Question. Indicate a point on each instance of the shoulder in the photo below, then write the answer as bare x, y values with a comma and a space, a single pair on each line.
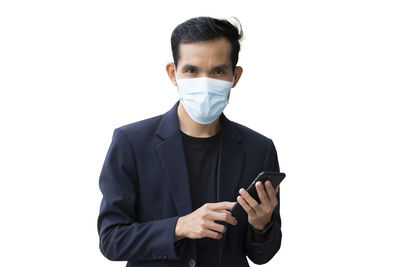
142, 125
260, 145
251, 136
139, 130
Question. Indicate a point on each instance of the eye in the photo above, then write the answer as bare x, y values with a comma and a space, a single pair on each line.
220, 72
190, 70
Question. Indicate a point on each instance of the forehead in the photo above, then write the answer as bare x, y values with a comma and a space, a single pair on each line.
206, 53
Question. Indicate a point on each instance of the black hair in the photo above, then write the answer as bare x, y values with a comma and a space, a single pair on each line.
205, 29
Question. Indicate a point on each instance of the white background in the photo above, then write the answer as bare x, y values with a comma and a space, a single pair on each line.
321, 79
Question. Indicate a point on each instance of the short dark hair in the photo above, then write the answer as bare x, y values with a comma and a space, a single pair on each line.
204, 29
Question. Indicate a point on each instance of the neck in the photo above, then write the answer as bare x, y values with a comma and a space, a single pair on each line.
192, 128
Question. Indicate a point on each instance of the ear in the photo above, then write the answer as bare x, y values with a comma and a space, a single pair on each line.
171, 72
238, 74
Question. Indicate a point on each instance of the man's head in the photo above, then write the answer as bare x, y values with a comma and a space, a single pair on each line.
206, 29
205, 46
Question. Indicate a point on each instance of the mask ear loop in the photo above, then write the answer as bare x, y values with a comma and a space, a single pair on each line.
176, 79
233, 80
175, 72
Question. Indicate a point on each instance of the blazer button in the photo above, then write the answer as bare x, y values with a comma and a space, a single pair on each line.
192, 263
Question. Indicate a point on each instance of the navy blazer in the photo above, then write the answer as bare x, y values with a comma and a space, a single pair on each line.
145, 187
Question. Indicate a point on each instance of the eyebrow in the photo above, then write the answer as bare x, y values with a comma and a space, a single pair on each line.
221, 66
188, 66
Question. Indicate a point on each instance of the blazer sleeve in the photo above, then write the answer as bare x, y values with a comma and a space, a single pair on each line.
121, 236
262, 252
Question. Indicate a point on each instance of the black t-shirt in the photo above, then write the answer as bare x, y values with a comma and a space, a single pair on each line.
202, 162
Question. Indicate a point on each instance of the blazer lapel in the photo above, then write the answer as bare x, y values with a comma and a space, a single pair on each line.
230, 167
171, 154
172, 157
231, 158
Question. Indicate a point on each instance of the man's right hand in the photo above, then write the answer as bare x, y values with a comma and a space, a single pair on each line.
201, 222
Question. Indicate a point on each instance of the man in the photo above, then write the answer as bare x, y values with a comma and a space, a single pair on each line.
168, 182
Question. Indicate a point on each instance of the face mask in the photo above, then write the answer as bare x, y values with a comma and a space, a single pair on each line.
204, 98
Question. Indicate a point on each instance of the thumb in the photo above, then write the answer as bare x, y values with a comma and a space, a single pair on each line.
277, 189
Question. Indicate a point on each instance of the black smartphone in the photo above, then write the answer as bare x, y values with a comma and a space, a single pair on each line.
275, 178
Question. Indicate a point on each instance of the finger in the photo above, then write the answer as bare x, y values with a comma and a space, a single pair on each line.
269, 188
277, 189
212, 234
250, 211
262, 195
249, 199
271, 193
217, 227
224, 205
230, 218
225, 216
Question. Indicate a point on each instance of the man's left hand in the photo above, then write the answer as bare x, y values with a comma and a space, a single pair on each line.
259, 215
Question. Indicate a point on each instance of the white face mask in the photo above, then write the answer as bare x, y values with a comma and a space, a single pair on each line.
204, 98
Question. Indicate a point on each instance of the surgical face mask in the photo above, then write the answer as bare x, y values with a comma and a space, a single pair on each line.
204, 98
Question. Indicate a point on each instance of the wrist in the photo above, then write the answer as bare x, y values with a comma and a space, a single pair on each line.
263, 226
179, 233
259, 228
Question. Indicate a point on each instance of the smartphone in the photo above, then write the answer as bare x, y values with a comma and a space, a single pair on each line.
275, 178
